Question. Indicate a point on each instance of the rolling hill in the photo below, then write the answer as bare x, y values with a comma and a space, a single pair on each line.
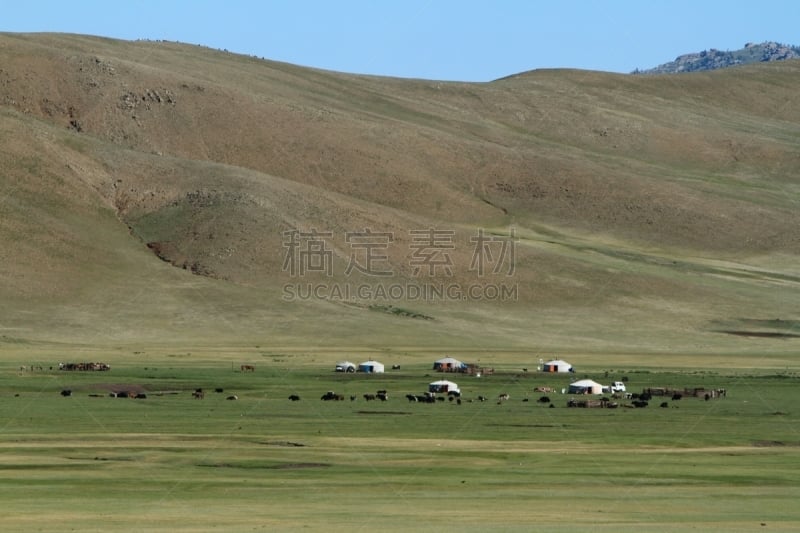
151, 192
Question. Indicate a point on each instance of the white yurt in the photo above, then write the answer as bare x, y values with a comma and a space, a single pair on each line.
557, 365
585, 386
371, 367
449, 364
345, 366
443, 386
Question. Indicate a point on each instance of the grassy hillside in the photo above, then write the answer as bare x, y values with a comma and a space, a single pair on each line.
147, 188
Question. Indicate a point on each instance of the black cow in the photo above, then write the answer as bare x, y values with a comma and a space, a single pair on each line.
66, 392
330, 395
294, 398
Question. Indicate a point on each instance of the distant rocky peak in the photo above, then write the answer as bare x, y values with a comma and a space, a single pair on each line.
713, 59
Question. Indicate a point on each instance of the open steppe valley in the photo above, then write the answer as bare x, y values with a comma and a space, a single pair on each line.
201, 220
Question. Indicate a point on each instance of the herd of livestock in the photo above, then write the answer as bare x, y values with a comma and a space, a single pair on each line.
435, 396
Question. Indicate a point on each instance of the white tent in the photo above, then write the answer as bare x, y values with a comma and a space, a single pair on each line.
585, 386
371, 367
557, 365
449, 364
345, 366
443, 386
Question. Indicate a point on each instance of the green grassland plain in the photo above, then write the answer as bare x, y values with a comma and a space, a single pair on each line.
90, 462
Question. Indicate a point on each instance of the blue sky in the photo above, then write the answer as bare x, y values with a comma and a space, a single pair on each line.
447, 40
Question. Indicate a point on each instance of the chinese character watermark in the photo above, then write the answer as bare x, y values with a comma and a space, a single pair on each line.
431, 253
306, 251
493, 250
430, 249
366, 247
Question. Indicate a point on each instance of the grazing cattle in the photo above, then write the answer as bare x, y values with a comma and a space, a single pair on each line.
219, 390
382, 395
421, 398
198, 394
140, 396
664, 404
232, 397
544, 399
294, 398
639, 403
353, 397
66, 392
248, 368
503, 397
395, 367
330, 395
677, 396
482, 398
369, 397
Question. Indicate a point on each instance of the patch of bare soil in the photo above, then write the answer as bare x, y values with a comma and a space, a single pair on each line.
762, 334
294, 466
116, 388
768, 443
383, 413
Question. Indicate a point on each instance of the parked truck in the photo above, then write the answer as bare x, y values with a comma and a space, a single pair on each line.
617, 386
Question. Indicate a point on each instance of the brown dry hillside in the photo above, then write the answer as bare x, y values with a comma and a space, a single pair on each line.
650, 199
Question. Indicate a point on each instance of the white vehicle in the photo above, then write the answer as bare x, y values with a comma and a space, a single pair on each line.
618, 386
